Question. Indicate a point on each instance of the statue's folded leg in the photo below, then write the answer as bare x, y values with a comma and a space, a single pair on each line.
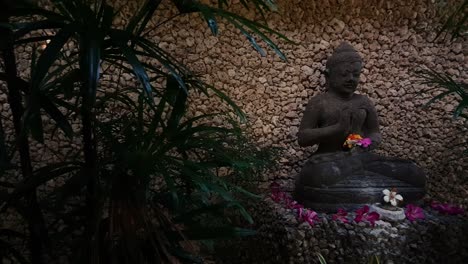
350, 179
325, 173
403, 170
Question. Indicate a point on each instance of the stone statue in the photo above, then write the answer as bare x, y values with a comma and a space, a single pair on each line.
332, 177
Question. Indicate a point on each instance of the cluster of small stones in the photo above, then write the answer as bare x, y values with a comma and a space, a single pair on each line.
393, 37
281, 238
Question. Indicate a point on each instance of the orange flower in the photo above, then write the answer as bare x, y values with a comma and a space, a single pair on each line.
354, 137
351, 140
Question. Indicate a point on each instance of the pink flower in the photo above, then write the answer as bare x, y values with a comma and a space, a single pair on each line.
372, 217
365, 142
447, 208
291, 204
362, 214
308, 216
278, 196
414, 212
341, 215
363, 210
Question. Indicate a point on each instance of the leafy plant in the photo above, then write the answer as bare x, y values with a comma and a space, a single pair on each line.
444, 82
449, 87
456, 24
150, 172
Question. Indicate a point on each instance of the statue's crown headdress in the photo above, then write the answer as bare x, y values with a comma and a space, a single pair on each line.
343, 53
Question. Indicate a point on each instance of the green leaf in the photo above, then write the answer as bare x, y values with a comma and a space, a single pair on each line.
138, 69
185, 6
454, 23
321, 259
200, 85
249, 37
90, 63
74, 10
30, 10
438, 97
142, 17
31, 119
42, 175
463, 104
66, 83
49, 56
210, 19
445, 82
56, 115
251, 195
26, 28
107, 17
167, 61
178, 109
374, 260
253, 26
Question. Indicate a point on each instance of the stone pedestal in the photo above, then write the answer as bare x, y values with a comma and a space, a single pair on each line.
281, 238
349, 180
353, 192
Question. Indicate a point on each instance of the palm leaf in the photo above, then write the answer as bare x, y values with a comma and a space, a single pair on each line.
321, 259
143, 16
450, 86
49, 56
138, 69
455, 23
26, 28
90, 60
41, 176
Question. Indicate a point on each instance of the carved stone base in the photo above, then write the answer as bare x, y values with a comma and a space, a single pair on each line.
281, 238
354, 192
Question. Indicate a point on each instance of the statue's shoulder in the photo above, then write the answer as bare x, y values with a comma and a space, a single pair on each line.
317, 100
364, 99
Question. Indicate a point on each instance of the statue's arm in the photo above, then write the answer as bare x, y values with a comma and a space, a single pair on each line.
309, 131
371, 126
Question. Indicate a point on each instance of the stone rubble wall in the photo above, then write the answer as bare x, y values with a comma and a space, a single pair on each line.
393, 37
281, 238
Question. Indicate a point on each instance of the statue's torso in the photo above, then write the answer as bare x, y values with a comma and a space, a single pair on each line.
330, 111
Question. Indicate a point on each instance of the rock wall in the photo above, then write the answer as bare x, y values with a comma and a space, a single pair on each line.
281, 238
394, 38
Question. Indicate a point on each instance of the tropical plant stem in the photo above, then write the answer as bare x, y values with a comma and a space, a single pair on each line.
36, 224
90, 169
3, 150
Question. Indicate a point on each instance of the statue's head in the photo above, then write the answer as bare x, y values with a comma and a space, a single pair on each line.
343, 70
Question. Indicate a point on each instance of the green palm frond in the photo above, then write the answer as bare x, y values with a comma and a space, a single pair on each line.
143, 151
456, 24
448, 86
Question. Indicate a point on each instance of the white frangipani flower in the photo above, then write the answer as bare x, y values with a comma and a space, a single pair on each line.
392, 197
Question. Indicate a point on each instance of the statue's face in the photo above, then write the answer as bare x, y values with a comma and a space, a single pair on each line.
343, 78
